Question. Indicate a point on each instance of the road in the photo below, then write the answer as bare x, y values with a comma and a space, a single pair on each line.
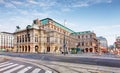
79, 60
12, 66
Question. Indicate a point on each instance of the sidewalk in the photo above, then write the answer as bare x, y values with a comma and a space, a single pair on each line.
2, 59
91, 55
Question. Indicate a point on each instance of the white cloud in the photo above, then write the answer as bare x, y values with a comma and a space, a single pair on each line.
64, 5
2, 1
17, 2
86, 3
7, 4
10, 5
34, 13
32, 1
65, 9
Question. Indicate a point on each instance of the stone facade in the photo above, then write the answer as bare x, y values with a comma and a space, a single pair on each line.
87, 41
44, 36
117, 43
103, 45
6, 41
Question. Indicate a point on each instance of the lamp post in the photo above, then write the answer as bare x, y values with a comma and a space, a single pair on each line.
64, 41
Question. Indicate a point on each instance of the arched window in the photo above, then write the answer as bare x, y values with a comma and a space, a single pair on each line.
23, 48
29, 48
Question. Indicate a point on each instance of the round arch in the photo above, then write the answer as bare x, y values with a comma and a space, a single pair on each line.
36, 48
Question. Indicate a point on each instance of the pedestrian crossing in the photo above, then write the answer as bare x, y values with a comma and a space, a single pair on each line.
10, 67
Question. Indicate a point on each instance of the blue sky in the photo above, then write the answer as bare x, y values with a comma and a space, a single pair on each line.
100, 16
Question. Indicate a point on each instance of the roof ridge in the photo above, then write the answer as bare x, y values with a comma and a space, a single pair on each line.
64, 27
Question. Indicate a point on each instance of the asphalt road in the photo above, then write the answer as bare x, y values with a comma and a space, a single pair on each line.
79, 60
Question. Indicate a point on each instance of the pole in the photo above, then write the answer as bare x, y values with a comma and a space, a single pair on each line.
64, 40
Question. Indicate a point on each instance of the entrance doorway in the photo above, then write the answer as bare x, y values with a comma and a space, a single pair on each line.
36, 48
91, 50
48, 49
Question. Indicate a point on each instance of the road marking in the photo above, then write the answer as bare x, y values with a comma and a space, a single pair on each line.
6, 64
48, 71
24, 70
36, 70
2, 69
13, 69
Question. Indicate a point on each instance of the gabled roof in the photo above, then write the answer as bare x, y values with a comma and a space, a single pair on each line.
84, 32
46, 20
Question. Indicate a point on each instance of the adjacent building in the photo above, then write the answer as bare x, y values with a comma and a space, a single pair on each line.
44, 36
103, 45
87, 41
117, 43
116, 49
6, 41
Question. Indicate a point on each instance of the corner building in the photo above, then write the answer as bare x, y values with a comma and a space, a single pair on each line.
44, 36
87, 41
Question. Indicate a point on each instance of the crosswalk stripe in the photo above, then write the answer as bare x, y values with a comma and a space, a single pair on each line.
24, 70
2, 69
36, 70
13, 69
6, 64
48, 71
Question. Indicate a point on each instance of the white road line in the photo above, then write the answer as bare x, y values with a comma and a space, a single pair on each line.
24, 70
48, 71
13, 69
2, 69
5, 64
36, 70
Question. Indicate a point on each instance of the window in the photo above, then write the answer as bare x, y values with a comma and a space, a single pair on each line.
25, 38
86, 36
28, 37
82, 36
48, 39
82, 43
36, 38
90, 36
17, 39
29, 48
23, 48
91, 43
22, 38
78, 37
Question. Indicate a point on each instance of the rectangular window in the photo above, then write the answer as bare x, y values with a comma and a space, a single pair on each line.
28, 37
25, 38
17, 39
22, 38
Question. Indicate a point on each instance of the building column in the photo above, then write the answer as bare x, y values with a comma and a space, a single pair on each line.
88, 50
84, 50
93, 50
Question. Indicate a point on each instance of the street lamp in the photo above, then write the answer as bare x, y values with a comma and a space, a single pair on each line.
64, 41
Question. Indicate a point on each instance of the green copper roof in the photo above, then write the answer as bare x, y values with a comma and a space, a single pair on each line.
45, 21
84, 32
